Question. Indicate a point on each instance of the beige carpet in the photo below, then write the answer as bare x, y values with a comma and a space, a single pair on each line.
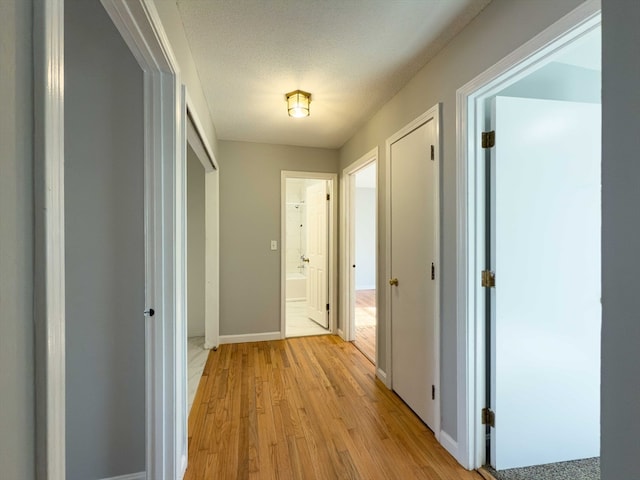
587, 469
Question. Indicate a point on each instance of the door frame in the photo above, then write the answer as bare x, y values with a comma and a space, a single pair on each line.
433, 114
469, 449
332, 181
201, 147
165, 247
347, 243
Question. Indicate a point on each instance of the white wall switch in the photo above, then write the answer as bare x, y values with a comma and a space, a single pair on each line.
274, 244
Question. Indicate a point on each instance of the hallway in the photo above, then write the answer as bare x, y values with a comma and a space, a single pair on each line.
307, 408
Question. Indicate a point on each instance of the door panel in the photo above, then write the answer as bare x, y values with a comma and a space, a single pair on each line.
413, 243
317, 253
546, 316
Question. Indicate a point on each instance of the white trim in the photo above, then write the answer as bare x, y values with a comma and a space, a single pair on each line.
197, 124
332, 180
131, 476
382, 375
449, 444
470, 225
165, 230
212, 259
49, 273
250, 337
347, 244
434, 114
342, 335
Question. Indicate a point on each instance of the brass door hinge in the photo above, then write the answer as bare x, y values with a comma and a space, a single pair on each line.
489, 139
488, 417
328, 196
433, 152
488, 279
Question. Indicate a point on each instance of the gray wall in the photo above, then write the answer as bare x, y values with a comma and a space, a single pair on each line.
249, 220
620, 414
17, 453
105, 377
365, 240
501, 27
195, 245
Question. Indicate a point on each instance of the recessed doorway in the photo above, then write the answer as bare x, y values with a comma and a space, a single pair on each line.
307, 254
531, 199
361, 243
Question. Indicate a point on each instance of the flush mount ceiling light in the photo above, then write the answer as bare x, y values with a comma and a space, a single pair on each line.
298, 103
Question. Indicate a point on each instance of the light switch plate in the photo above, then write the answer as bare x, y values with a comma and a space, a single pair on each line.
274, 244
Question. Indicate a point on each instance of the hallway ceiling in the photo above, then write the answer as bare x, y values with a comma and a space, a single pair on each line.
352, 55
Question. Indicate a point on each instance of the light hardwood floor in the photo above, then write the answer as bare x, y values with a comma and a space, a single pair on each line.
306, 408
365, 323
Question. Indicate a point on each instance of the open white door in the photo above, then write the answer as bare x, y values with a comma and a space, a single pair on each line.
414, 237
318, 253
546, 311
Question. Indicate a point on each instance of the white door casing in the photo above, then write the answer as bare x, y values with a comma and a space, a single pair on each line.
317, 253
330, 180
414, 262
347, 242
469, 447
545, 243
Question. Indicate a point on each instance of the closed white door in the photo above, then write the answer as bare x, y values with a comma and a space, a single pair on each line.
413, 247
545, 331
318, 253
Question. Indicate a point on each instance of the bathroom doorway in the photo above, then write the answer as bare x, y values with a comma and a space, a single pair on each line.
307, 254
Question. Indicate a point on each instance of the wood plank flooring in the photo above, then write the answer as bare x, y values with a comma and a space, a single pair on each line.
365, 323
306, 408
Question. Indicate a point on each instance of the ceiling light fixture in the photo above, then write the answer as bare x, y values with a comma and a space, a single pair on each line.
298, 103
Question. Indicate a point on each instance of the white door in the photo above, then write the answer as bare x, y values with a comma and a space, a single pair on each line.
413, 247
545, 249
318, 253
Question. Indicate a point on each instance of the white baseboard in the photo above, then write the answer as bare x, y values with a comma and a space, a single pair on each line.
250, 337
381, 375
341, 334
449, 444
131, 476
209, 346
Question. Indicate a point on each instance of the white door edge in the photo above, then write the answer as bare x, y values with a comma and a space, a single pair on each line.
433, 114
332, 183
469, 449
347, 247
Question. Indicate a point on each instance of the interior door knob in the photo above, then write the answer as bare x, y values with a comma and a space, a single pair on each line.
393, 281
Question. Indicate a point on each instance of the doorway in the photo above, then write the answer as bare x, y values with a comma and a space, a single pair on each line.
360, 216
307, 254
413, 265
542, 333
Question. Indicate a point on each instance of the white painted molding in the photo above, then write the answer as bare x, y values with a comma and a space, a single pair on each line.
212, 259
470, 220
341, 335
165, 214
250, 337
347, 275
132, 476
381, 374
193, 116
49, 274
449, 444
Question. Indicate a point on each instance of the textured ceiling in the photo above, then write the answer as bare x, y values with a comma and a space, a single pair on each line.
352, 55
